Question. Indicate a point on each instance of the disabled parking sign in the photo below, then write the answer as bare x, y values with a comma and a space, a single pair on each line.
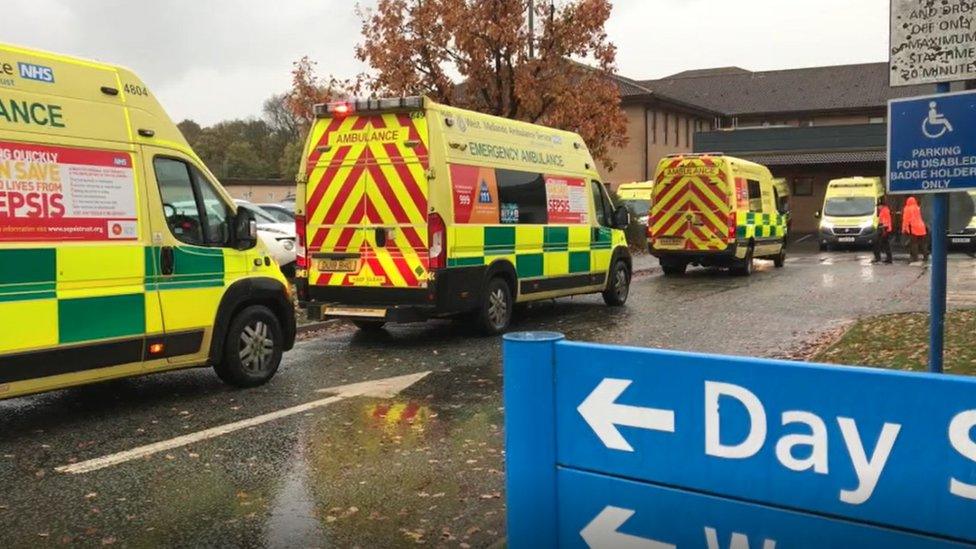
622, 447
932, 143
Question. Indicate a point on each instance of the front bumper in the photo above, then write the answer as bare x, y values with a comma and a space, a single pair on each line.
962, 241
864, 238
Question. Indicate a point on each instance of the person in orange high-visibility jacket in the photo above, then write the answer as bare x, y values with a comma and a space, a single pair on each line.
913, 226
885, 227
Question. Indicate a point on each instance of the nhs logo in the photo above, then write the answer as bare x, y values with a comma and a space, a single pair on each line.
36, 72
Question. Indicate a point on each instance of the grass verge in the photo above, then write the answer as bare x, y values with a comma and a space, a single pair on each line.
901, 342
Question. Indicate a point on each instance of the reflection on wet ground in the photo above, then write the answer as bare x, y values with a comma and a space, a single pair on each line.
424, 467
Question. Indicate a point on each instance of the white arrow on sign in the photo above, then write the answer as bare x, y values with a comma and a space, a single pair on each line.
603, 532
603, 414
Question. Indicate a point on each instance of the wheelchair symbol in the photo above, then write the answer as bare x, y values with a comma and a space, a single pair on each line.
935, 124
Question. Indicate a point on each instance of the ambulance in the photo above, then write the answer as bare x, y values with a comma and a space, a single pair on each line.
120, 254
409, 210
714, 210
966, 238
637, 198
850, 212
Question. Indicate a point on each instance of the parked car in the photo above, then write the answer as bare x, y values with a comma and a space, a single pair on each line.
281, 212
277, 236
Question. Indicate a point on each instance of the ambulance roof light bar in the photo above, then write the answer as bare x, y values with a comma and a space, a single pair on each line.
370, 105
682, 155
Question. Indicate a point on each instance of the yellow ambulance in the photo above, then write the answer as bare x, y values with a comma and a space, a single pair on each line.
715, 211
636, 197
850, 212
409, 210
120, 255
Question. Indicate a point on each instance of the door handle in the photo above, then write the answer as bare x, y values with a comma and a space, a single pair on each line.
167, 260
380, 235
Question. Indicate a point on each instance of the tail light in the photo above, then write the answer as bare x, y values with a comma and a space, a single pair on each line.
437, 242
733, 226
301, 259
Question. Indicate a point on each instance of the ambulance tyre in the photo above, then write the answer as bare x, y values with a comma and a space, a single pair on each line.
744, 266
253, 348
780, 260
618, 285
369, 325
497, 305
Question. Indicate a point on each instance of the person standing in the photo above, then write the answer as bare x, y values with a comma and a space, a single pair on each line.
913, 226
882, 244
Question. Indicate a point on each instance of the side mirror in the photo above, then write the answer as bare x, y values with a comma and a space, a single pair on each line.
245, 229
621, 217
816, 215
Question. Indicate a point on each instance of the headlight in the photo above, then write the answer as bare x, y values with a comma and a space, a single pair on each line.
287, 244
869, 224
826, 226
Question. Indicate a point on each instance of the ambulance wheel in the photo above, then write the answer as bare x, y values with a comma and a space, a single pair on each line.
780, 260
674, 269
618, 285
369, 325
744, 267
497, 306
253, 348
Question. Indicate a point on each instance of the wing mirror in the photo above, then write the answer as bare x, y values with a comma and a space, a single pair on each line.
621, 217
245, 229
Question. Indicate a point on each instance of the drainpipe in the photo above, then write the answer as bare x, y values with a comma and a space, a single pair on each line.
647, 146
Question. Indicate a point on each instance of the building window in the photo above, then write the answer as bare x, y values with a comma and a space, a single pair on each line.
687, 132
803, 186
667, 121
654, 127
677, 130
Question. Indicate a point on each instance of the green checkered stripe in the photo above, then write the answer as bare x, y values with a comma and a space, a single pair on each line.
32, 275
757, 225
531, 256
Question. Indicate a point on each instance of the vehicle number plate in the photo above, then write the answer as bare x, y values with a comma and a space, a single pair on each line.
354, 311
338, 265
846, 239
671, 241
960, 241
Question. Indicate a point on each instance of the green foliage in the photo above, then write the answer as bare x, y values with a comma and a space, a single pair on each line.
266, 148
900, 342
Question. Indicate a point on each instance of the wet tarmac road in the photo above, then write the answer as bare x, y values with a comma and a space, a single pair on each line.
423, 466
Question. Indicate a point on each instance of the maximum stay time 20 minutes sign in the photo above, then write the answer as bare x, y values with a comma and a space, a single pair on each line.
932, 41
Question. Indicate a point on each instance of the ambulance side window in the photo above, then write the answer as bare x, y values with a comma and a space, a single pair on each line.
755, 196
194, 212
522, 194
603, 208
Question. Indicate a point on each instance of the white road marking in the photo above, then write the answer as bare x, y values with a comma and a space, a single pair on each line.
802, 238
380, 388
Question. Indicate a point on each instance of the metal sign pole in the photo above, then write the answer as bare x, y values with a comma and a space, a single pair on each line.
940, 244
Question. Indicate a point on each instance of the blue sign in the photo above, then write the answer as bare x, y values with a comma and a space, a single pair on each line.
932, 143
799, 454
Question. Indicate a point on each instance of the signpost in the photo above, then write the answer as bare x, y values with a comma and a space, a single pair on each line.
933, 42
619, 447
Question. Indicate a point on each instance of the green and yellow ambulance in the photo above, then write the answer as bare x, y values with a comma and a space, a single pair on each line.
409, 210
120, 255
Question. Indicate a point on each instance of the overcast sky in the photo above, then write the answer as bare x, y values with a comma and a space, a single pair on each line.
211, 60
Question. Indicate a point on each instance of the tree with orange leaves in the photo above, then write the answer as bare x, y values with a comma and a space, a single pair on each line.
480, 55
